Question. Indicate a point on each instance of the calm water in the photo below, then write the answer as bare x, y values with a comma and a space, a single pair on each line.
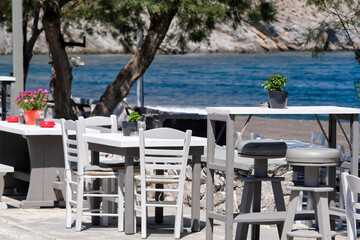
195, 81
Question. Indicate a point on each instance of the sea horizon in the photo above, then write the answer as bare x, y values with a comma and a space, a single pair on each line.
190, 82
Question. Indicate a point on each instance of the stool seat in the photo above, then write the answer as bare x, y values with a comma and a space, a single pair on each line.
313, 155
262, 148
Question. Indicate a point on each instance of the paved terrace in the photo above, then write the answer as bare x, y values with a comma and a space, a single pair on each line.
49, 223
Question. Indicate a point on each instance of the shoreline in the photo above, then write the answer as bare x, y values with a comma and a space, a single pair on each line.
289, 129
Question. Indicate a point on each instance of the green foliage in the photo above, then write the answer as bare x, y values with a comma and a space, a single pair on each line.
276, 82
339, 16
134, 117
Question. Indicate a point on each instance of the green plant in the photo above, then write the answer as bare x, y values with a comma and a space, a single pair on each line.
32, 100
134, 117
276, 82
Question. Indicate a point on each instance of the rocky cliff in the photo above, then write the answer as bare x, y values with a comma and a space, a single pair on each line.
286, 34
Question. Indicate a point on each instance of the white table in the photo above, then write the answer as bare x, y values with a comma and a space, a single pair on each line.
37, 155
227, 115
129, 147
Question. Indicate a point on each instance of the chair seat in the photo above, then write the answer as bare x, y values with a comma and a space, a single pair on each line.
159, 179
262, 148
313, 155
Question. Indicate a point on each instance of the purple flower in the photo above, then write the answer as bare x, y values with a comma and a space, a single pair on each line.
46, 91
26, 100
44, 99
18, 99
34, 96
31, 100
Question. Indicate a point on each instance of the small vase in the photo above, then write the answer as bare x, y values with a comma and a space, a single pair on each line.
29, 117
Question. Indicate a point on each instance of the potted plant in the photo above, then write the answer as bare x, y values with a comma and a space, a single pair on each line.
274, 85
131, 124
31, 102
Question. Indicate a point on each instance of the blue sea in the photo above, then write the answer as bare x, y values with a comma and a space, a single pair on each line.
192, 82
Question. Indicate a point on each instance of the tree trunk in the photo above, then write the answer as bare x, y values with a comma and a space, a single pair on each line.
62, 91
29, 45
136, 67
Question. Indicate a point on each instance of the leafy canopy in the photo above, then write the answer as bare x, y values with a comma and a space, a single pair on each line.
338, 16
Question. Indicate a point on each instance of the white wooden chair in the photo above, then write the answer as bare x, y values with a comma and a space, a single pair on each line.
173, 162
77, 165
106, 124
351, 188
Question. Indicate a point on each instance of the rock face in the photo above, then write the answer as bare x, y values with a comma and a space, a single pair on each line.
286, 34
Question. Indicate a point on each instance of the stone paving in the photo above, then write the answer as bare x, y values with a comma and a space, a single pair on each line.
49, 223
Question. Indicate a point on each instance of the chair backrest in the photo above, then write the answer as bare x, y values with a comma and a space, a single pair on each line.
154, 158
351, 187
99, 121
102, 123
74, 153
317, 138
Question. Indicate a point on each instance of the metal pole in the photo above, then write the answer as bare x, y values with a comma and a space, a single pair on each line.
18, 68
140, 81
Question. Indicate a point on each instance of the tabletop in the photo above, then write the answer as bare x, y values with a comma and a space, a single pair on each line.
29, 130
119, 140
288, 110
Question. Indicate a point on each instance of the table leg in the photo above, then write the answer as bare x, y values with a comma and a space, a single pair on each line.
46, 163
3, 100
159, 211
95, 202
195, 193
129, 195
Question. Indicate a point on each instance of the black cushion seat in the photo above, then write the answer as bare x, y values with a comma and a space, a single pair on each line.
313, 156
262, 148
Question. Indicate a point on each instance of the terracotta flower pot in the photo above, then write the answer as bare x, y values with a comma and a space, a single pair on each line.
29, 117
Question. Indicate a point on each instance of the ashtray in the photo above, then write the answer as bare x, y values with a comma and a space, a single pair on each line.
12, 119
47, 124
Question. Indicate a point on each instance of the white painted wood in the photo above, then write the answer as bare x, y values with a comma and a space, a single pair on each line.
33, 130
118, 140
75, 153
286, 111
351, 188
145, 140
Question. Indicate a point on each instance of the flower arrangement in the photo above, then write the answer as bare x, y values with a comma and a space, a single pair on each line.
32, 100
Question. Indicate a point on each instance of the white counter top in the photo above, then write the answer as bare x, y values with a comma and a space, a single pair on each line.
288, 110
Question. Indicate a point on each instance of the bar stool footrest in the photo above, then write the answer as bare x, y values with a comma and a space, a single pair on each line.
253, 178
310, 189
307, 233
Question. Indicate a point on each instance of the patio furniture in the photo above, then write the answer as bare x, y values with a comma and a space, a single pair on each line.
351, 187
261, 150
311, 159
78, 171
116, 143
160, 166
104, 124
3, 170
228, 114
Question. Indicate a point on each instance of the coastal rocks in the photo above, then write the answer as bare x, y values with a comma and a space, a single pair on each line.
287, 33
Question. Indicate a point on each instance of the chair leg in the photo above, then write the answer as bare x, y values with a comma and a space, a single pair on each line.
120, 190
79, 205
290, 215
178, 221
68, 205
143, 211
